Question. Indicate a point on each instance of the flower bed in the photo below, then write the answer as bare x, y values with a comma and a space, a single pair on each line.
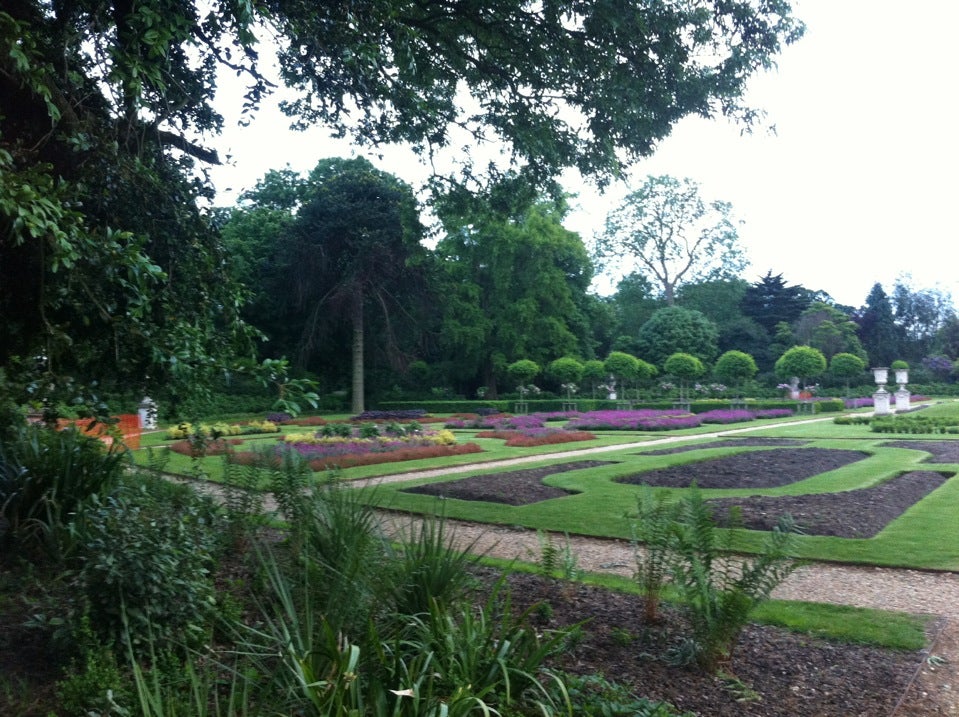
216, 447
641, 420
667, 420
354, 460
532, 438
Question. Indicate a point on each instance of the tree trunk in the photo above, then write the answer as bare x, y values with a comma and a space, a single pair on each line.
356, 318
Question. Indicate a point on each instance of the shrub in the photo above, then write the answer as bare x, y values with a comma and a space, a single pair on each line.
46, 477
145, 565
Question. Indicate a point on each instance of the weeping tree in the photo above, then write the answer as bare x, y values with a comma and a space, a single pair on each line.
355, 247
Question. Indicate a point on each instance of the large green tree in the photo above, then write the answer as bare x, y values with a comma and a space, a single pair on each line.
673, 236
514, 286
674, 329
829, 329
107, 106
771, 301
354, 246
919, 314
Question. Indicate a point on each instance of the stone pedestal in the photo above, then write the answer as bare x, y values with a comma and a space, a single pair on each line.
902, 399
880, 402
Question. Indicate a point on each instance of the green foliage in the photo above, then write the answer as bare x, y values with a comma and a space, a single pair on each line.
555, 560
674, 329
899, 364
565, 370
652, 529
428, 569
523, 371
94, 679
915, 424
145, 565
719, 592
595, 696
828, 329
622, 366
735, 367
292, 393
805, 362
47, 476
684, 366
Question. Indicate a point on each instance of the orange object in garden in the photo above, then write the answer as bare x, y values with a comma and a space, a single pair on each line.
127, 428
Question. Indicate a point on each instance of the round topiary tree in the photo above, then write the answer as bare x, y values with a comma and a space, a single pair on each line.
522, 372
594, 373
675, 329
846, 366
685, 367
567, 372
622, 366
802, 361
735, 368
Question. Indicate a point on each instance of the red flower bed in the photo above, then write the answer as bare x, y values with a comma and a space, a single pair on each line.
369, 459
520, 440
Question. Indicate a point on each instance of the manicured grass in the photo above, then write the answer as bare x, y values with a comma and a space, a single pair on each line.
926, 536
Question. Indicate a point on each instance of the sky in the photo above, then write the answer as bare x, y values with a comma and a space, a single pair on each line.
857, 185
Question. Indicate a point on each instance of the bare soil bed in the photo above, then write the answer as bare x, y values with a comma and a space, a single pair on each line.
751, 469
942, 451
772, 672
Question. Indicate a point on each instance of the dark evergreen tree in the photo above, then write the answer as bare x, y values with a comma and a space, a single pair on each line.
770, 301
877, 328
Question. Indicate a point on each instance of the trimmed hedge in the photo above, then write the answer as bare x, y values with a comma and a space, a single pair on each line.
550, 405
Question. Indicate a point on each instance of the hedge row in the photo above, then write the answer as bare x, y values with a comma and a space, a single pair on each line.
588, 404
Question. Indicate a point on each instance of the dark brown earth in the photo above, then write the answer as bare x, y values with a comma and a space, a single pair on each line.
942, 451
751, 469
520, 487
772, 672
859, 513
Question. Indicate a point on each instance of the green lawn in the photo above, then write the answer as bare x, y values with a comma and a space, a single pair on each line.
926, 536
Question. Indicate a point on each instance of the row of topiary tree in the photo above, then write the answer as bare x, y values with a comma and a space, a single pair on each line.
734, 368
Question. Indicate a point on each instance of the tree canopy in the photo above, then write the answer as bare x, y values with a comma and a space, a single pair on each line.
107, 262
673, 235
674, 329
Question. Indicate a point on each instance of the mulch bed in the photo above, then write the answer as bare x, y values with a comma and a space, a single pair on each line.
789, 675
520, 487
729, 443
942, 451
861, 513
752, 469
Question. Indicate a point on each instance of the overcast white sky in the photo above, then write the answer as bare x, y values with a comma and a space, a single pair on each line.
858, 184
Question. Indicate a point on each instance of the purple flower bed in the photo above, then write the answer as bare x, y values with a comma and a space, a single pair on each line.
664, 420
396, 415
641, 420
773, 413
737, 415
499, 423
858, 402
